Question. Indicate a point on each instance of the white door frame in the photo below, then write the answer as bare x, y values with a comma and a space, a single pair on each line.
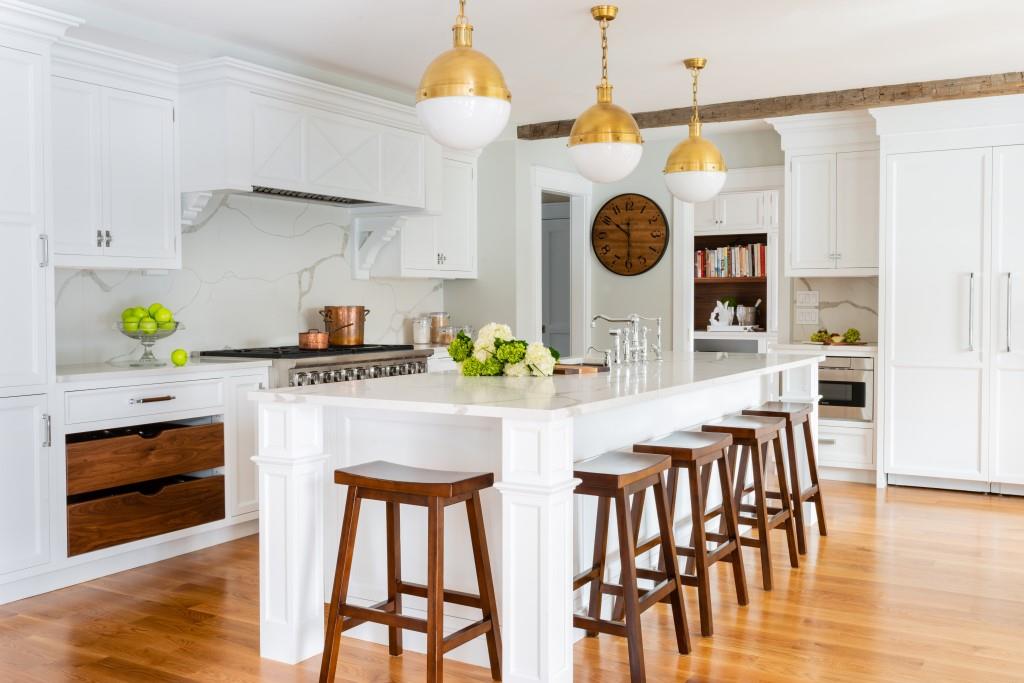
530, 252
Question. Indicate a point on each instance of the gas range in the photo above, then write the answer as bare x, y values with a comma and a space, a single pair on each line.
295, 367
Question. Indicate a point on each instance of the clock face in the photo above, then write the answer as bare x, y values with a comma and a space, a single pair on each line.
630, 234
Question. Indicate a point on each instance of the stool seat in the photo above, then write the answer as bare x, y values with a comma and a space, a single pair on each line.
417, 481
746, 426
619, 469
793, 413
687, 446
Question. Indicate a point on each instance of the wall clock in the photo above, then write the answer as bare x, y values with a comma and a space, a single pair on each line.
630, 234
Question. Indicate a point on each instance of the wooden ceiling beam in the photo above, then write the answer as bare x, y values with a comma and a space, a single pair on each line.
1010, 83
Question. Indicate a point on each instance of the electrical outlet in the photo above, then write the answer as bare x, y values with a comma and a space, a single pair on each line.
807, 316
808, 298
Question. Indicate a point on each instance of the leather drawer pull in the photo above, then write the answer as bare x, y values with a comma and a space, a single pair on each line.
150, 399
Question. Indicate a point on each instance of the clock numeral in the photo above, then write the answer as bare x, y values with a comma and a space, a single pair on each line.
652, 220
606, 220
629, 205
616, 210
615, 258
656, 234
642, 259
629, 264
644, 208
605, 249
654, 249
602, 235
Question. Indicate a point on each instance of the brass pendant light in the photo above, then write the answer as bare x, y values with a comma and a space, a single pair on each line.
605, 143
462, 99
695, 170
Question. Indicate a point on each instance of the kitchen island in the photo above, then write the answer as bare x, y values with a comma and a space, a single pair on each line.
529, 432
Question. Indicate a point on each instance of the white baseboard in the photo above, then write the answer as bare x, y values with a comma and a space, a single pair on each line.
939, 483
69, 575
857, 476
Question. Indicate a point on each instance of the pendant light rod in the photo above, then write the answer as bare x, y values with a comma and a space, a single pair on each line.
462, 30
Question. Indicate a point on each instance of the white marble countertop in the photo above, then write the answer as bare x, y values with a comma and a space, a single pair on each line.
543, 397
88, 372
870, 349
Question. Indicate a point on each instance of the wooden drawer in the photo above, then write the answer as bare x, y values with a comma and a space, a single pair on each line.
96, 405
846, 446
177, 503
103, 463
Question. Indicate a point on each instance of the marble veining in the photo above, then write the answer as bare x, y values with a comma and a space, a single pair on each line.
253, 274
544, 397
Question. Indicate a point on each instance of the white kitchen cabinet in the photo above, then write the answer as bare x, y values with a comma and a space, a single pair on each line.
856, 238
25, 274
24, 487
1007, 314
240, 443
842, 445
114, 192
811, 227
738, 212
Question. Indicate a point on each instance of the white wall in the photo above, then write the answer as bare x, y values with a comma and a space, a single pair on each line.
253, 275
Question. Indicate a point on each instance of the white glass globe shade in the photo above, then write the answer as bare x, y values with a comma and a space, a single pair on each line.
695, 186
464, 122
606, 162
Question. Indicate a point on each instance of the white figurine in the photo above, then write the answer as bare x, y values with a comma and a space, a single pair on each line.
722, 316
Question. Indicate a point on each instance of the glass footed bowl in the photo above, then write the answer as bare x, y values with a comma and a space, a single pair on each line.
147, 339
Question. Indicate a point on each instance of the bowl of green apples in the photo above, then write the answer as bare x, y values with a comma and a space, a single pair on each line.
147, 326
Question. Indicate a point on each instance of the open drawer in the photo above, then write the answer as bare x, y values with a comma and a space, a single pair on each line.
120, 515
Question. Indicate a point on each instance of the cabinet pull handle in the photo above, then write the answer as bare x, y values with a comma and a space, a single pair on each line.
109, 237
970, 315
47, 431
1009, 311
827, 442
99, 238
45, 239
150, 399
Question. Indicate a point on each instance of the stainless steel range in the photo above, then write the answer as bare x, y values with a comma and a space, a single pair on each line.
295, 367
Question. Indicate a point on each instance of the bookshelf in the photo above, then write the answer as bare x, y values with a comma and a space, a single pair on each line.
745, 289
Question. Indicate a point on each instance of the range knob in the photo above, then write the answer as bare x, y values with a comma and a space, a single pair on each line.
300, 379
338, 376
372, 372
360, 373
314, 378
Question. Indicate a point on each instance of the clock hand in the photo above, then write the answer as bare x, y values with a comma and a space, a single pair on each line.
619, 226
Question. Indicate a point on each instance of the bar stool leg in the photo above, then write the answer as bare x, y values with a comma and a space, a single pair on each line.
705, 480
637, 514
732, 530
794, 480
700, 550
435, 591
812, 462
394, 542
668, 550
600, 559
342, 572
786, 503
485, 582
627, 553
759, 454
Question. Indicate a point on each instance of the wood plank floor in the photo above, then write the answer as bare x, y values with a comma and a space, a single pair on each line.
911, 585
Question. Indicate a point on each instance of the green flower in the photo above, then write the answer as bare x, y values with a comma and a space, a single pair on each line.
511, 351
492, 366
471, 367
461, 348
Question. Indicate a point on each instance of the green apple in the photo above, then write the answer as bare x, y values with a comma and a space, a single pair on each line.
147, 326
141, 312
165, 326
128, 313
130, 325
163, 316
153, 308
179, 357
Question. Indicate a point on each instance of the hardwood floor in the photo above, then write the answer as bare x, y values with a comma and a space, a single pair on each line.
911, 585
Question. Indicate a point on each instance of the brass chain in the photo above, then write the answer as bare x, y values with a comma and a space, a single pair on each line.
694, 116
604, 52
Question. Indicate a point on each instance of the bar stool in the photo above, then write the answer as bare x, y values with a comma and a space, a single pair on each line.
752, 434
616, 476
435, 490
697, 452
796, 414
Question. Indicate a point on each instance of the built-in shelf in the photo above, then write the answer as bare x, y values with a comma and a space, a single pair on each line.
728, 280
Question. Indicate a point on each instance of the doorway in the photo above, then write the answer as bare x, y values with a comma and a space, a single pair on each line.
556, 284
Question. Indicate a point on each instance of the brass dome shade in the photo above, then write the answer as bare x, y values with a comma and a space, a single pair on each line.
695, 153
695, 170
605, 142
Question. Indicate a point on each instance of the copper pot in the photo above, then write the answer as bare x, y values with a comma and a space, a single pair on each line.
344, 324
313, 339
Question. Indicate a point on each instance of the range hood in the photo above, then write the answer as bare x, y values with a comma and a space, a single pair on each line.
309, 196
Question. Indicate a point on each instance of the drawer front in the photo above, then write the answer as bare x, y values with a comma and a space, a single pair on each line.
845, 446
121, 460
118, 519
95, 405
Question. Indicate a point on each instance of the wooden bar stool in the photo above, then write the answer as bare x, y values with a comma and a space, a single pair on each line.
616, 476
752, 434
696, 453
796, 414
435, 490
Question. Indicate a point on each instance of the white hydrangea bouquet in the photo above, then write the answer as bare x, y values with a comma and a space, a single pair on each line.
497, 352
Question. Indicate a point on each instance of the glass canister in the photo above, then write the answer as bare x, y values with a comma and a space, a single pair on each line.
438, 319
445, 334
421, 330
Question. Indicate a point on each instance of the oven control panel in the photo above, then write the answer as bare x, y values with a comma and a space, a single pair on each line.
328, 374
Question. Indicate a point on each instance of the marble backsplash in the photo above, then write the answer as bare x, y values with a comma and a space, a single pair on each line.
843, 302
254, 274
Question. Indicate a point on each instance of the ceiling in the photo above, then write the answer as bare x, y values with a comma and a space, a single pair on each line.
549, 50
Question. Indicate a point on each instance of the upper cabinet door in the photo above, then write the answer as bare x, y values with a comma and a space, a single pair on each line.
456, 235
402, 164
77, 169
25, 484
857, 190
812, 223
278, 131
140, 189
705, 216
23, 272
343, 156
741, 210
